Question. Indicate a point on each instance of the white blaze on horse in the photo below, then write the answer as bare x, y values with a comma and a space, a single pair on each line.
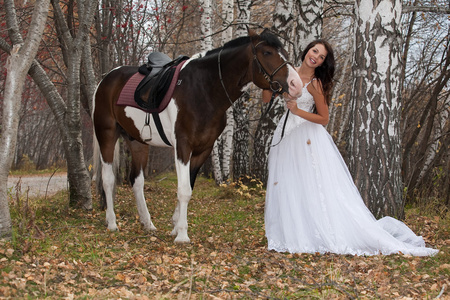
190, 121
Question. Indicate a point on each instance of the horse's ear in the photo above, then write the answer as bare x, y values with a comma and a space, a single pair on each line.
251, 32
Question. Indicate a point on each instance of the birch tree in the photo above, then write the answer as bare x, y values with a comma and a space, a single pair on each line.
223, 147
375, 139
206, 45
18, 64
205, 25
299, 23
241, 158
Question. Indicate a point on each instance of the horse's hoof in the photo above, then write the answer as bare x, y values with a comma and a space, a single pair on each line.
113, 228
185, 240
150, 227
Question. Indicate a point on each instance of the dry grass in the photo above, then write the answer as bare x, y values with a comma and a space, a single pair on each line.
58, 252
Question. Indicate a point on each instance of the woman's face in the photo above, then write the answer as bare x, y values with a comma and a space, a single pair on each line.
316, 56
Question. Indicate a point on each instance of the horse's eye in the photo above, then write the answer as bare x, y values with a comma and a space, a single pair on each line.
266, 53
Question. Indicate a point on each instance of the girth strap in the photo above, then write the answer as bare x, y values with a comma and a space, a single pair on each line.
159, 126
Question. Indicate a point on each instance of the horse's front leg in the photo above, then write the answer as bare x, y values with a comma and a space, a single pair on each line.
175, 217
184, 195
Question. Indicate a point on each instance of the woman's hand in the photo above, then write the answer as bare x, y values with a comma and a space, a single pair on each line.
288, 97
292, 106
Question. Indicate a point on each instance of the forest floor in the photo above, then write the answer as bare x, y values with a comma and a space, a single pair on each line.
59, 252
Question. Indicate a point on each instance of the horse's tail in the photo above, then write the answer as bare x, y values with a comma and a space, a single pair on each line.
98, 171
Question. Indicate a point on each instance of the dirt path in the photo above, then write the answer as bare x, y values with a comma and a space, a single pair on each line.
38, 185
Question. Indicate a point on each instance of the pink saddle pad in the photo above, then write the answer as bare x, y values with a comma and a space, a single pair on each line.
126, 97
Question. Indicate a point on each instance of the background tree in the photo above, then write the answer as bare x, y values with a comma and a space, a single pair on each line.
72, 26
223, 147
375, 139
241, 108
425, 113
19, 62
299, 23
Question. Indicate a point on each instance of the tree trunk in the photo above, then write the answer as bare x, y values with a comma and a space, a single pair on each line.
223, 147
428, 122
241, 158
287, 25
241, 137
227, 134
299, 23
77, 173
375, 141
205, 25
263, 138
17, 66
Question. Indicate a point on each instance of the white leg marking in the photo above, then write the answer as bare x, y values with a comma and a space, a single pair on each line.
184, 195
175, 217
108, 186
144, 215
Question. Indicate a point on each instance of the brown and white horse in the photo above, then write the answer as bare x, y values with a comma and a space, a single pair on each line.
208, 84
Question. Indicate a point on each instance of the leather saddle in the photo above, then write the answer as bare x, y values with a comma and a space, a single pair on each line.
159, 72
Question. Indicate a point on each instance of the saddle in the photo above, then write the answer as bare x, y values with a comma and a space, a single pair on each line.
158, 72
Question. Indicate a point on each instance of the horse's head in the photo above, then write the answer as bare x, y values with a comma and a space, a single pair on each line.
271, 69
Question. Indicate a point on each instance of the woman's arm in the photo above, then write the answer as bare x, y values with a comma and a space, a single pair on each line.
322, 116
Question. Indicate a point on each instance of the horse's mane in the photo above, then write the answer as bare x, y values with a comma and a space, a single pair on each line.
266, 36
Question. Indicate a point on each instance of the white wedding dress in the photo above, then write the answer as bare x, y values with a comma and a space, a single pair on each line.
312, 204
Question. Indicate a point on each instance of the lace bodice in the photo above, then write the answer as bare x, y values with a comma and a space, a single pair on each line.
306, 100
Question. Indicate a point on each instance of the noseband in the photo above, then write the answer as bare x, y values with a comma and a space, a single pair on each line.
275, 86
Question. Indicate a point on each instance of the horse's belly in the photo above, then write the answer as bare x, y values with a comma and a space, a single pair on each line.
145, 128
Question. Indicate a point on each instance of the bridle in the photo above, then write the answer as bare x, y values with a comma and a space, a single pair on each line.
275, 86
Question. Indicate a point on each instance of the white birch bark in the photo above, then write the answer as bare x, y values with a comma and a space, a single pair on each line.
299, 22
289, 22
206, 45
241, 136
205, 25
309, 22
227, 135
375, 139
340, 107
17, 67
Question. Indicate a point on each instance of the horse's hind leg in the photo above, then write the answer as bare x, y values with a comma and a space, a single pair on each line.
139, 153
108, 179
107, 141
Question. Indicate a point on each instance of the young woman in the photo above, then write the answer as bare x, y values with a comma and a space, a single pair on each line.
312, 204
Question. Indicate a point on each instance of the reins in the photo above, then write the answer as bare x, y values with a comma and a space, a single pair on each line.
282, 131
275, 86
269, 78
274, 93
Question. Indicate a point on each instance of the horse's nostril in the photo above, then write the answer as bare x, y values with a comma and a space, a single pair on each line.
293, 84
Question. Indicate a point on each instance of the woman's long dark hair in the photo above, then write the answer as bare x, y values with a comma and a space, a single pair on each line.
326, 71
